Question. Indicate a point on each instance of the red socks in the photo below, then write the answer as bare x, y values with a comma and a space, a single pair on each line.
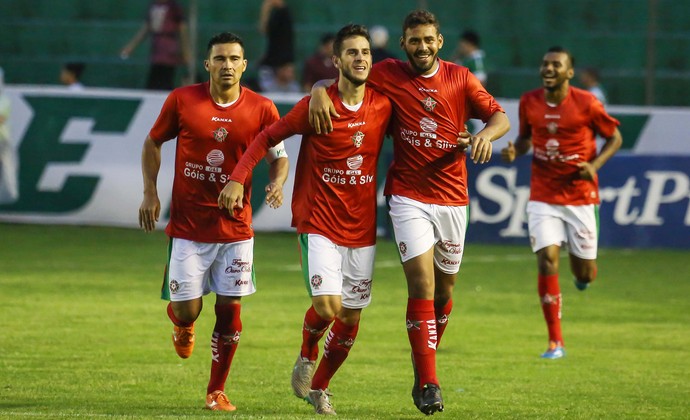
423, 335
226, 337
550, 297
442, 315
335, 350
313, 329
174, 319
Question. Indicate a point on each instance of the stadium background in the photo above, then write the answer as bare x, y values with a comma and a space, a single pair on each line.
79, 152
642, 47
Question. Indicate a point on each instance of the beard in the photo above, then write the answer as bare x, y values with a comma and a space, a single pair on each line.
347, 73
421, 69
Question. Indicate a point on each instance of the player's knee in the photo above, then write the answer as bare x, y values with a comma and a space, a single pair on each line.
586, 273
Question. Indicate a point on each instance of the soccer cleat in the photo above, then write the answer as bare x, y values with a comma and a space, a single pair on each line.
416, 389
183, 340
581, 285
301, 376
218, 401
431, 400
320, 400
555, 351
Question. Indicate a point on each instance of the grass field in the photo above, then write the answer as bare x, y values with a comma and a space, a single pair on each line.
84, 335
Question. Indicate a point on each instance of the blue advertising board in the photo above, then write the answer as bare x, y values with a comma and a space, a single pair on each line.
645, 201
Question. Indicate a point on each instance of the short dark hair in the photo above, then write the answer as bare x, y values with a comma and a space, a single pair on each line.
420, 17
349, 31
224, 38
75, 68
559, 49
470, 36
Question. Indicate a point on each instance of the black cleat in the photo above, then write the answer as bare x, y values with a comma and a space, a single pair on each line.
431, 400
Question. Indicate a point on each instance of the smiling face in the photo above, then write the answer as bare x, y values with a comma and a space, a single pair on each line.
355, 60
556, 71
421, 45
225, 65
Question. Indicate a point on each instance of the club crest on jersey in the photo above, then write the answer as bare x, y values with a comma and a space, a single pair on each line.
429, 103
316, 281
357, 138
552, 127
220, 134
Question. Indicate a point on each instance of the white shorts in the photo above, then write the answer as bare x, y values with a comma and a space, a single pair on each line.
331, 269
419, 226
196, 268
576, 226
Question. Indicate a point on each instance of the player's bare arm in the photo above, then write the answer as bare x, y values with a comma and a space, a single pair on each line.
321, 107
494, 129
277, 173
588, 170
150, 208
512, 151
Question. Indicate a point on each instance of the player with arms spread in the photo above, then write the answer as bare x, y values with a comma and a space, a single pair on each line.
210, 249
333, 209
426, 184
560, 123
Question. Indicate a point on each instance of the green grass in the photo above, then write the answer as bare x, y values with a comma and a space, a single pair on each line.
84, 335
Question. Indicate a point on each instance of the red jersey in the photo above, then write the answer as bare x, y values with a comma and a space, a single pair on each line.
335, 181
429, 113
563, 136
210, 141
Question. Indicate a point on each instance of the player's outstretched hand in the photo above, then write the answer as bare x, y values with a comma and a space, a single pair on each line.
587, 171
274, 195
481, 149
320, 111
508, 153
149, 211
231, 197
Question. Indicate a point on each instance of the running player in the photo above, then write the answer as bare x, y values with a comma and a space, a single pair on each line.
427, 181
210, 249
560, 123
333, 209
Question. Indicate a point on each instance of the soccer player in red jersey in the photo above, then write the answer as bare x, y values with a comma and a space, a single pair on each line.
333, 209
560, 123
426, 184
210, 249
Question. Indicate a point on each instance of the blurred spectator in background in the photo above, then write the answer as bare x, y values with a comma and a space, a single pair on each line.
589, 78
469, 54
283, 80
9, 188
276, 69
320, 64
70, 75
379, 43
170, 47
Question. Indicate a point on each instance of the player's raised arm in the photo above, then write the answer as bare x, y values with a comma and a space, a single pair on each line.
321, 107
150, 208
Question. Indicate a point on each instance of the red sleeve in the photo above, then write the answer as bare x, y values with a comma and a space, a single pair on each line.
294, 122
166, 126
525, 128
482, 104
602, 123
